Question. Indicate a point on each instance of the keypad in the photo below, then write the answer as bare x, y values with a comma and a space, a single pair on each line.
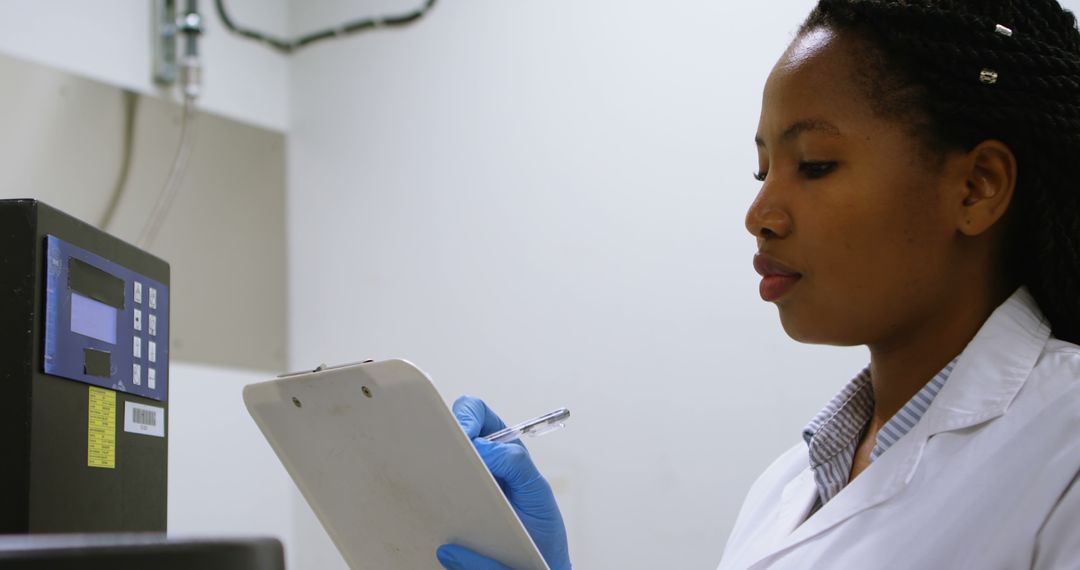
145, 325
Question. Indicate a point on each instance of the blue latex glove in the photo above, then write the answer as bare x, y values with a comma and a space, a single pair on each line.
525, 488
454, 557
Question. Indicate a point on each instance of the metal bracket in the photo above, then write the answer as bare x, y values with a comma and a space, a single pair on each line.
169, 27
164, 40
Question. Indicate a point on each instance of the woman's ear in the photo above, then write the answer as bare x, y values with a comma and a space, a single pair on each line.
989, 184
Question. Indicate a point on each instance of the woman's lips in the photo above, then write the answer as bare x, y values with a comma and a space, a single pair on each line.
777, 278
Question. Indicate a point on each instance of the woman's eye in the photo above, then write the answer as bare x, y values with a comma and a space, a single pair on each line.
816, 169
760, 175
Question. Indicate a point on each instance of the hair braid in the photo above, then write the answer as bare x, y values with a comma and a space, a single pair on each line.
941, 47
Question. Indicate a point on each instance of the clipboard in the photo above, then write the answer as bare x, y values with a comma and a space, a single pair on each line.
386, 467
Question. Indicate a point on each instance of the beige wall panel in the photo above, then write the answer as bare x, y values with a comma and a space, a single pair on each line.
225, 234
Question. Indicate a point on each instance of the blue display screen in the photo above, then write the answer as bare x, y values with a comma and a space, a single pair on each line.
93, 318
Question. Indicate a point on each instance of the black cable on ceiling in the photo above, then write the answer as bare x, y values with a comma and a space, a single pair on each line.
288, 46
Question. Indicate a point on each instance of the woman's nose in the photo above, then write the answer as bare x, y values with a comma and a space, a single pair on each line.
766, 219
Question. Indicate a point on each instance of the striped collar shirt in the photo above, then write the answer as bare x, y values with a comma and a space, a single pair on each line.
834, 434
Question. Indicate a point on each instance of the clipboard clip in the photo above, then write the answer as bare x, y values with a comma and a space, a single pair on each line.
321, 368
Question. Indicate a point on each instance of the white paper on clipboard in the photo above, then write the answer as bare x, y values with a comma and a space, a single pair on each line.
385, 466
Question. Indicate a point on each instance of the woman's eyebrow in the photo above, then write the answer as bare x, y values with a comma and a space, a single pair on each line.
810, 125
804, 126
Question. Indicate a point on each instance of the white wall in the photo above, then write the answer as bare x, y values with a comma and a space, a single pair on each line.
110, 41
224, 479
542, 203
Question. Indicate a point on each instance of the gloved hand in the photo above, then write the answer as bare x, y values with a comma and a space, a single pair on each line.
454, 557
525, 488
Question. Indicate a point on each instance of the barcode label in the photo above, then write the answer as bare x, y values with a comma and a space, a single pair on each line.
145, 420
144, 417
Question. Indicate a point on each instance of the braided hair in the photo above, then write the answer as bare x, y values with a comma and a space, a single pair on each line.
965, 71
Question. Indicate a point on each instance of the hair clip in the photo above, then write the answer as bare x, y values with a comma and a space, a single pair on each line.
988, 76
1007, 32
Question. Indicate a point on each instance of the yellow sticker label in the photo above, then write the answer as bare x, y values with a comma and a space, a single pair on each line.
101, 431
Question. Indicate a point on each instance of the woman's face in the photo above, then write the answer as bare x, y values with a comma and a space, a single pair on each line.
854, 222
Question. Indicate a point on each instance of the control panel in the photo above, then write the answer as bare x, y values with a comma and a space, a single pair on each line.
105, 324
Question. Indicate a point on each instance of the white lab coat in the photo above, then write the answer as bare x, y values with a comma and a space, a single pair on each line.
986, 480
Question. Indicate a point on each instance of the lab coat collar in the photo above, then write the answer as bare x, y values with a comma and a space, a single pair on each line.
989, 374
993, 367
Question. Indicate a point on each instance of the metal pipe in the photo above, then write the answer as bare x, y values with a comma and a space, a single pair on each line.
190, 27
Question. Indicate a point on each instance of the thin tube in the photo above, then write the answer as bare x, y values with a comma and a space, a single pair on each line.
131, 106
176, 175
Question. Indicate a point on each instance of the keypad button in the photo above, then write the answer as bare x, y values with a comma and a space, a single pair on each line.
138, 320
136, 374
151, 351
153, 298
153, 324
136, 347
138, 292
151, 378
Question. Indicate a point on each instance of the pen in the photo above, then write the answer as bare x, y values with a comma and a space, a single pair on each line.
535, 427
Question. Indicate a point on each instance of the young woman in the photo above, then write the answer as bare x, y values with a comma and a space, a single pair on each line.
920, 170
